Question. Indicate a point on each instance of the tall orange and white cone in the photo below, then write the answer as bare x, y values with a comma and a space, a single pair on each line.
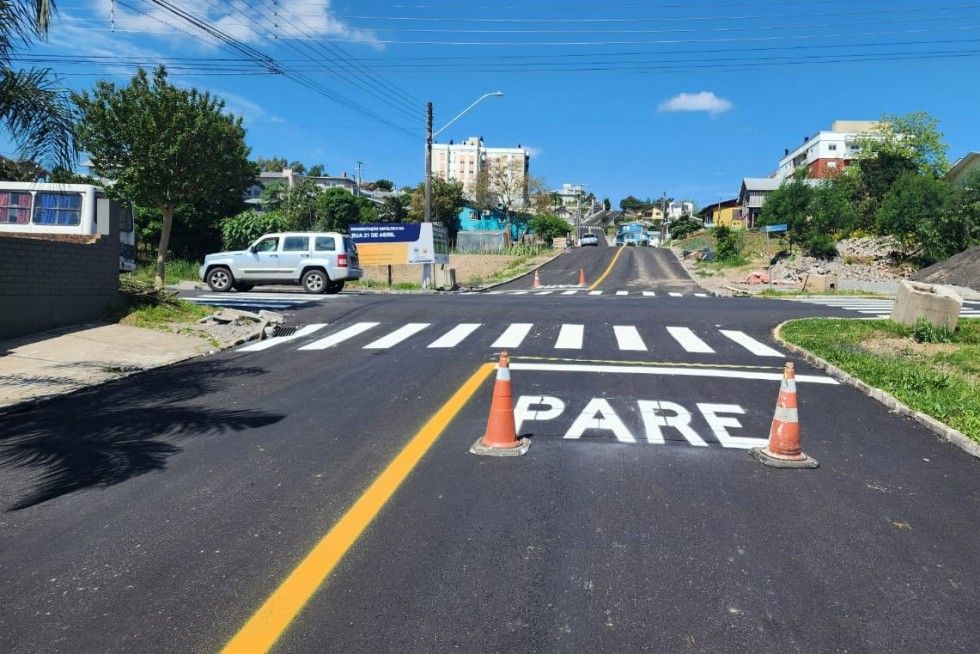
500, 438
785, 449
537, 279
581, 277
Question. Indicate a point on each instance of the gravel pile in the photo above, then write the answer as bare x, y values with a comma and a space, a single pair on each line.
870, 259
962, 269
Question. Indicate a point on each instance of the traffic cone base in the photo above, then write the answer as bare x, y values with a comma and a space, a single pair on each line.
581, 277
500, 438
537, 279
784, 449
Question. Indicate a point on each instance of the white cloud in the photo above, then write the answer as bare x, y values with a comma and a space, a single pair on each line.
298, 19
704, 101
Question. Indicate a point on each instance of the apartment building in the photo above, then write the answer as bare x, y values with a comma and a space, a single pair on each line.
826, 153
465, 161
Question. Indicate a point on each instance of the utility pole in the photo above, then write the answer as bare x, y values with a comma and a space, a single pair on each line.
357, 180
426, 267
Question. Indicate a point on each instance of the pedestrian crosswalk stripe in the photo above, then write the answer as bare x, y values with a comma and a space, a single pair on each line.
514, 335
622, 292
341, 336
276, 340
570, 337
456, 335
700, 295
689, 341
628, 338
521, 292
544, 292
649, 294
750, 344
595, 292
397, 336
675, 294
872, 307
572, 292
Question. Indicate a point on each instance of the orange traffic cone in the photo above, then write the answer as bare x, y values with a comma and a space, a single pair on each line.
500, 438
784, 449
581, 277
537, 279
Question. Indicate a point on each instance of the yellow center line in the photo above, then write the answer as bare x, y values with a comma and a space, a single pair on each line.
608, 268
267, 625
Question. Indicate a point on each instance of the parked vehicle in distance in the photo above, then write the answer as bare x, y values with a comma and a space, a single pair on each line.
321, 262
75, 209
633, 234
588, 239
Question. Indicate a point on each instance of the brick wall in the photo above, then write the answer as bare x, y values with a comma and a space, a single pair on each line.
51, 281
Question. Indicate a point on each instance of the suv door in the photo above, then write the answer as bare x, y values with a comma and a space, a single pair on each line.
261, 261
293, 255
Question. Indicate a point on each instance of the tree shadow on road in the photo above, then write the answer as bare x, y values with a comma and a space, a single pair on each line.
107, 435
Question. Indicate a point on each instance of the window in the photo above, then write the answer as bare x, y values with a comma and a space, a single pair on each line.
267, 245
57, 208
832, 147
126, 218
296, 244
325, 244
15, 208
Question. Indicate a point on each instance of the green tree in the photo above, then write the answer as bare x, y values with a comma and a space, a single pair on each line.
393, 210
21, 170
63, 175
297, 167
790, 205
316, 170
684, 226
337, 209
832, 209
297, 202
384, 185
875, 178
238, 231
271, 165
606, 204
633, 204
914, 136
34, 110
920, 211
549, 227
447, 200
968, 204
162, 145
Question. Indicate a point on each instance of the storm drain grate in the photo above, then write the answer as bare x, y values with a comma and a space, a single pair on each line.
284, 330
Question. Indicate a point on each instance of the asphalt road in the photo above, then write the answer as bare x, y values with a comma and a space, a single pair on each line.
158, 513
610, 269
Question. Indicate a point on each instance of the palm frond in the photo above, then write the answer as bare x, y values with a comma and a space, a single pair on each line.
38, 115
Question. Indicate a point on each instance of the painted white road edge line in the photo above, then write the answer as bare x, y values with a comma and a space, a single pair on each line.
668, 372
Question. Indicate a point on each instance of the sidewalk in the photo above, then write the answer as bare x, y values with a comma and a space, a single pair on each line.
64, 360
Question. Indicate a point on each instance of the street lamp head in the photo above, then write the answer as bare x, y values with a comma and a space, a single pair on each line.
497, 94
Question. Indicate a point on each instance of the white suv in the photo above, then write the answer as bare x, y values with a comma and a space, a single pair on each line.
319, 261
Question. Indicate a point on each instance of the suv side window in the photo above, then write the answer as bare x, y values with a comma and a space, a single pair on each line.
296, 244
267, 244
325, 244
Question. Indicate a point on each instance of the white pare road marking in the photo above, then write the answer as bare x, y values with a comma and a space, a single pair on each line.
570, 337
569, 292
595, 292
622, 292
397, 336
689, 341
344, 334
649, 294
750, 344
599, 414
456, 335
628, 338
514, 335
544, 292
675, 294
667, 371
276, 340
659, 417
536, 408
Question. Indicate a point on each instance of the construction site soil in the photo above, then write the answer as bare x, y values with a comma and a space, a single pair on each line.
962, 269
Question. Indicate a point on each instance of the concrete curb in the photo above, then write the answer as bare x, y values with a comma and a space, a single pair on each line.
690, 273
951, 435
480, 289
34, 402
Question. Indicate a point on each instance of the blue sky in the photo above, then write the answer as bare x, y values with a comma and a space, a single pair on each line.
629, 97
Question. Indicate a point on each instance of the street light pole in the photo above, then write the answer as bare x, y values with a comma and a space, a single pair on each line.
429, 136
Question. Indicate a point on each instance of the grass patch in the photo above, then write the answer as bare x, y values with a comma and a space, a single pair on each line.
178, 270
373, 283
164, 315
941, 379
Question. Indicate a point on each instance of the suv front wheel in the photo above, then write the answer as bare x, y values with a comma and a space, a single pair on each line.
315, 281
219, 279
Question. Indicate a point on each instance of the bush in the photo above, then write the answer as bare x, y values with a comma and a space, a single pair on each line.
924, 332
548, 228
238, 231
729, 244
684, 227
820, 246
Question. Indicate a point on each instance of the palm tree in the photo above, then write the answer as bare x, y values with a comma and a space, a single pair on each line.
33, 109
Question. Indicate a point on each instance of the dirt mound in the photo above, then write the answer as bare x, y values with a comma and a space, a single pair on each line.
962, 269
